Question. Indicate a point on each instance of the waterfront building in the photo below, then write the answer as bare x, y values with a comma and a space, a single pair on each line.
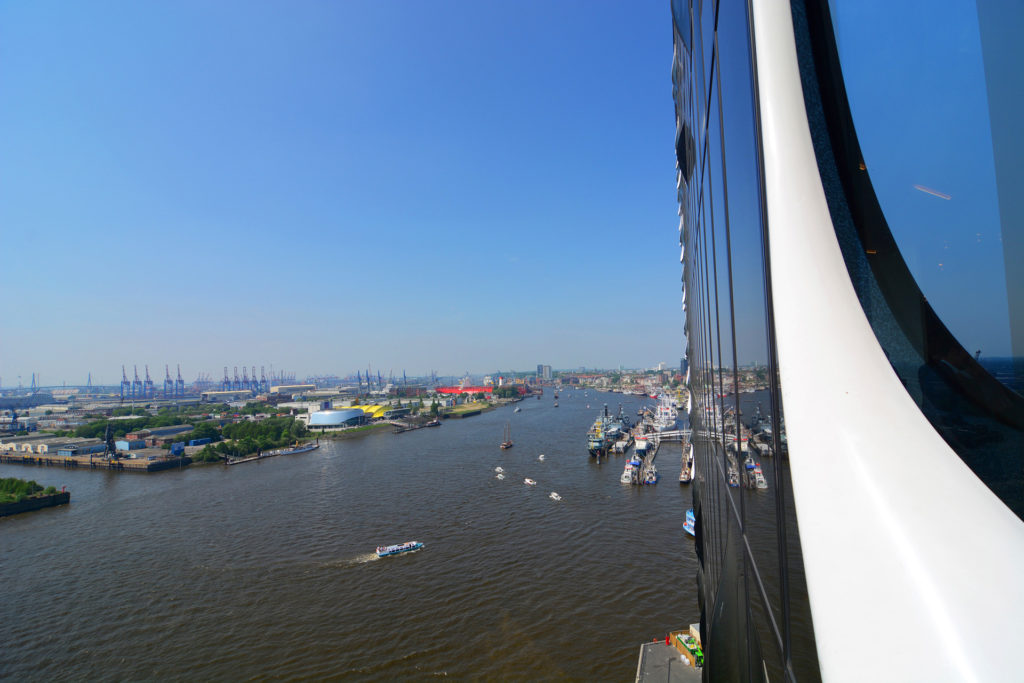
850, 218
337, 418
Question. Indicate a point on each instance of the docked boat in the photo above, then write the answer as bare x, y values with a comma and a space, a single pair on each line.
507, 442
686, 473
631, 472
598, 441
651, 475
665, 416
554, 496
529, 482
690, 523
759, 480
408, 546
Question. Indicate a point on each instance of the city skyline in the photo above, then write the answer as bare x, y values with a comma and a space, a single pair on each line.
337, 185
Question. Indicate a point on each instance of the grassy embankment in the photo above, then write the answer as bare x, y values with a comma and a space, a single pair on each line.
16, 490
467, 409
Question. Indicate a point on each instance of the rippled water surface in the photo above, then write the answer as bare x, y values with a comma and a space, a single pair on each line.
266, 569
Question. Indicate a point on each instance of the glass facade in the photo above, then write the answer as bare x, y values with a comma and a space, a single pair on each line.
756, 622
918, 145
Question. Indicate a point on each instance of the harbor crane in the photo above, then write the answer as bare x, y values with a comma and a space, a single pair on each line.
168, 382
126, 386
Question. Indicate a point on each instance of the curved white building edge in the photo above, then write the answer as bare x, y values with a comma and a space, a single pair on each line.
902, 585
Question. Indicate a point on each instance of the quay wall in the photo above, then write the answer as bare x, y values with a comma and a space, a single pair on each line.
96, 463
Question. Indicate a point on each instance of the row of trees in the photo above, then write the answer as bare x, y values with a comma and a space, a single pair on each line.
245, 438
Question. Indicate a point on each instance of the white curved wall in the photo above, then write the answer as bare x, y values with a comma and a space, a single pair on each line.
913, 565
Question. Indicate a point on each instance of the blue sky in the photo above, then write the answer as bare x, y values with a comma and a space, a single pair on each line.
321, 186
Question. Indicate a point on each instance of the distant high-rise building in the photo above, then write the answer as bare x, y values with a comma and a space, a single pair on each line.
545, 372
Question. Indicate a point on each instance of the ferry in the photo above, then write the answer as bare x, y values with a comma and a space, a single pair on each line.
385, 550
691, 521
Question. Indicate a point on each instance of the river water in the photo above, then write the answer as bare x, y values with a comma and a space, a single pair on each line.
266, 569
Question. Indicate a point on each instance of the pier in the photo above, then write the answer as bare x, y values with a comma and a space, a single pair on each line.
401, 426
305, 448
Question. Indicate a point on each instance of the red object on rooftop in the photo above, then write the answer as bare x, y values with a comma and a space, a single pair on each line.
466, 390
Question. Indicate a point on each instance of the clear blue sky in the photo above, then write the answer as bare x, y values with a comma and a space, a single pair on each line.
325, 185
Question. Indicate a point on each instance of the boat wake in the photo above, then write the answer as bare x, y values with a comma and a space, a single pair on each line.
352, 561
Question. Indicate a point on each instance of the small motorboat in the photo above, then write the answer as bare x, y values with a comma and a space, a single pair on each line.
500, 476
529, 482
517, 410
554, 496
541, 457
499, 469
385, 550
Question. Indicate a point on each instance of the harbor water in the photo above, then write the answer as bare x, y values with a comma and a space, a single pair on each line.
267, 569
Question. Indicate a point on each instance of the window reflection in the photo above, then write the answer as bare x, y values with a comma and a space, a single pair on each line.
930, 134
755, 614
